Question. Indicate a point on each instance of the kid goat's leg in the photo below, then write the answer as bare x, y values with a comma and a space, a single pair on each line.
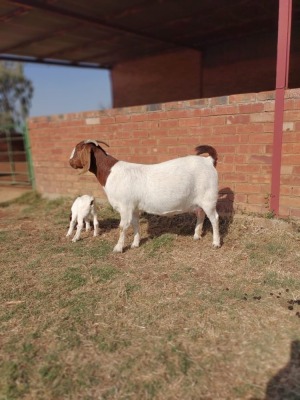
96, 225
72, 225
79, 229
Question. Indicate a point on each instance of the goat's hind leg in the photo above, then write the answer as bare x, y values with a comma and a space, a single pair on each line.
199, 224
79, 229
71, 227
213, 216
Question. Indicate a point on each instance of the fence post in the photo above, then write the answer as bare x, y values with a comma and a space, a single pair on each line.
28, 156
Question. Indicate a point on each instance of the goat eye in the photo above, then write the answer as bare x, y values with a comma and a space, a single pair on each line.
72, 154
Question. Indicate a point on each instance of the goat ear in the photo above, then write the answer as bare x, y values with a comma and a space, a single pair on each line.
85, 158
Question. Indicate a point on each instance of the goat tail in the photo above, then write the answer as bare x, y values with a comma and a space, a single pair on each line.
211, 151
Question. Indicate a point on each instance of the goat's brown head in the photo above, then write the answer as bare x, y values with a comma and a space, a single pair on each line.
81, 154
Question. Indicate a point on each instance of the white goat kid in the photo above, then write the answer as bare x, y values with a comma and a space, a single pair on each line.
181, 185
83, 211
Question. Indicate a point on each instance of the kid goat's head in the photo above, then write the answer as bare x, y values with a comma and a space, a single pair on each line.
81, 155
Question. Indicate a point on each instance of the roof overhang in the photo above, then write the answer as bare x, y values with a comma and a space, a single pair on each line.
102, 33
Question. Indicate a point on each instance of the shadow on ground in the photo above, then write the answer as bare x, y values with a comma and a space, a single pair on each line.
182, 224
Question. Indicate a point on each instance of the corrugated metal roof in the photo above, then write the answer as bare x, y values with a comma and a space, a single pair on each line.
102, 33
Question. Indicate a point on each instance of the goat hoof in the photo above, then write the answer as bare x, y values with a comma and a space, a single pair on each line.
216, 246
117, 249
134, 246
197, 237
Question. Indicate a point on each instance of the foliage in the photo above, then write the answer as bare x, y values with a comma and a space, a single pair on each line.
16, 92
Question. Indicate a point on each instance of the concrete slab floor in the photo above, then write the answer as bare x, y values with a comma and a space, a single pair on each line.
8, 193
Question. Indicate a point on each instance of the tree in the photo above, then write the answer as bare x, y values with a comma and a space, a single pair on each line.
16, 92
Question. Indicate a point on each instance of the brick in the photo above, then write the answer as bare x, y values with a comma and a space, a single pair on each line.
92, 121
224, 167
248, 168
286, 191
290, 159
292, 115
139, 117
224, 110
296, 170
224, 129
261, 138
122, 118
295, 212
238, 119
169, 123
292, 180
235, 177
247, 188
213, 120
190, 121
250, 108
242, 98
290, 201
261, 158
140, 134
168, 141
269, 106
257, 199
262, 117
288, 126
254, 208
291, 148
251, 148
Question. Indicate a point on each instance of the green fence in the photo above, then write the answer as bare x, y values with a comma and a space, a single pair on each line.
15, 157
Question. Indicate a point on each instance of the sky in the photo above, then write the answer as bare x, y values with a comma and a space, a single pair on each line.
61, 90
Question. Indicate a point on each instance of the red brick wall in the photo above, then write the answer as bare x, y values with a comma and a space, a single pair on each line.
247, 64
157, 79
241, 65
239, 126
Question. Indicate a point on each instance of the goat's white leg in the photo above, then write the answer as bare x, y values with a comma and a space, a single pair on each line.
126, 217
79, 229
87, 224
199, 224
71, 227
96, 225
136, 229
214, 219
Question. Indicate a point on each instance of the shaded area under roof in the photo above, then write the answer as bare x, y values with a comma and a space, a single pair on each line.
102, 33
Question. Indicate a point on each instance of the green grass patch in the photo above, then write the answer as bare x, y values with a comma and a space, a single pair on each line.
167, 321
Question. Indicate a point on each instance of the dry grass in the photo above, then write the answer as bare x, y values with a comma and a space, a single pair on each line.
171, 320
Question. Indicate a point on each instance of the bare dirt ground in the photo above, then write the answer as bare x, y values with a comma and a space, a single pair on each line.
173, 319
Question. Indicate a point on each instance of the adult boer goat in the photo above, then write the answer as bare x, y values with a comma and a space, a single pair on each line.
181, 185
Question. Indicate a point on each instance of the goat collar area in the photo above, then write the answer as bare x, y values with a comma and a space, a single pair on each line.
101, 164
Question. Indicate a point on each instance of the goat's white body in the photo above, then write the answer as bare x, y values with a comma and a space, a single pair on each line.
83, 210
176, 186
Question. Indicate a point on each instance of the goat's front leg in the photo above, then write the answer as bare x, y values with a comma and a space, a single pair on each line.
136, 229
126, 217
